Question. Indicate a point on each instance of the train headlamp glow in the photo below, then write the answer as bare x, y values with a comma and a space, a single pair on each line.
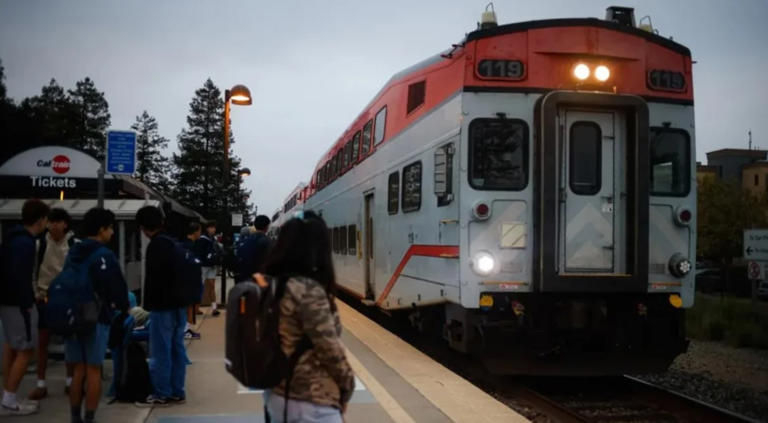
602, 73
581, 71
679, 266
483, 263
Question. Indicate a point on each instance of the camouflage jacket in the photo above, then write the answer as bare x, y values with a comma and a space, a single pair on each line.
322, 375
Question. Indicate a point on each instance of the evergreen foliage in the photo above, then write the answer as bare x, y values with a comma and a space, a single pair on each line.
199, 171
153, 167
90, 119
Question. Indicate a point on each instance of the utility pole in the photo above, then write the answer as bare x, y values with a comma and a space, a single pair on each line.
750, 139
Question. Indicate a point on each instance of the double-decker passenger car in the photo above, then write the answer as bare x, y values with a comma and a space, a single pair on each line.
528, 194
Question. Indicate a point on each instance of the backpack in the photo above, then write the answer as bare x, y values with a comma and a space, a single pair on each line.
253, 352
133, 383
73, 307
187, 274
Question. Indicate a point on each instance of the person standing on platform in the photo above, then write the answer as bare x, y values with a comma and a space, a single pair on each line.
86, 353
207, 253
53, 251
194, 231
322, 382
251, 254
168, 318
17, 302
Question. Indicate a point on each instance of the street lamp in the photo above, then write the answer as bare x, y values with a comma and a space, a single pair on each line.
244, 172
241, 96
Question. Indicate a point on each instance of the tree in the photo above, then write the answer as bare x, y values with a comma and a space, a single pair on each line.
43, 119
199, 174
725, 209
153, 168
90, 118
7, 112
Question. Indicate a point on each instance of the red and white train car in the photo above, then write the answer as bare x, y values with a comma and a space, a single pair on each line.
529, 194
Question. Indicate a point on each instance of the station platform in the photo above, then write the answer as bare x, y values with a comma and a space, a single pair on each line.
394, 383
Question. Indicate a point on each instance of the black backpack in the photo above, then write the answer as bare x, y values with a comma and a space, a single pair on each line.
133, 383
187, 274
253, 352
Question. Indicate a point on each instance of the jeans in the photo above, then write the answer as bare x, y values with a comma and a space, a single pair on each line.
299, 411
167, 355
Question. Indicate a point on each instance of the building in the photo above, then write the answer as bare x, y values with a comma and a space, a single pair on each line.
67, 178
729, 162
755, 178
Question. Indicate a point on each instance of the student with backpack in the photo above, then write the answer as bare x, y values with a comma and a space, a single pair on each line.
17, 302
167, 304
319, 381
194, 231
253, 251
209, 254
90, 287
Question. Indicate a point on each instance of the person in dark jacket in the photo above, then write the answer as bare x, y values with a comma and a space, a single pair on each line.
206, 250
193, 234
251, 255
106, 277
167, 356
17, 302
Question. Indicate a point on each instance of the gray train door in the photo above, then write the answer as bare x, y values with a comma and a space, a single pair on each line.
589, 178
368, 247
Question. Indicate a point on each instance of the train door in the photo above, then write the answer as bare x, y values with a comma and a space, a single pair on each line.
591, 185
368, 247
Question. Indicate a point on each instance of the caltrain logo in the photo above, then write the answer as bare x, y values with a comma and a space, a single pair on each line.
60, 164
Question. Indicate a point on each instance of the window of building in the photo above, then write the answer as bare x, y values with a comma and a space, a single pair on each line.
670, 162
352, 240
498, 154
416, 94
355, 149
412, 187
585, 167
393, 193
381, 124
367, 136
343, 240
444, 174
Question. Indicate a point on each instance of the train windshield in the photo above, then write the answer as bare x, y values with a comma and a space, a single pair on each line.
670, 162
498, 154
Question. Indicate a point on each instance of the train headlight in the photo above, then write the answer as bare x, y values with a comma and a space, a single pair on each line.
679, 266
602, 73
581, 71
483, 263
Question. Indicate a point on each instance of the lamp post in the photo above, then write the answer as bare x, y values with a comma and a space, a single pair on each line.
239, 95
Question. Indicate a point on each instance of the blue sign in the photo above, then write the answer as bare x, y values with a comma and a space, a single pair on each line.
121, 152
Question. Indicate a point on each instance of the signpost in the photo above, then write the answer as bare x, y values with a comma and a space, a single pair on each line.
756, 251
120, 159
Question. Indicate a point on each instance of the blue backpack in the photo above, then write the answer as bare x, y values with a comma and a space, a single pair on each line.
187, 275
73, 307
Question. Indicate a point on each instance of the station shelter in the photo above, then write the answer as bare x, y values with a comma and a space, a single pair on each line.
67, 178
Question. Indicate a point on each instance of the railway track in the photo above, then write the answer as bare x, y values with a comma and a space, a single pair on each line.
564, 399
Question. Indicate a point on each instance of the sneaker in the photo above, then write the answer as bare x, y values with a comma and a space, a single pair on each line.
19, 410
190, 334
38, 393
215, 313
177, 400
152, 401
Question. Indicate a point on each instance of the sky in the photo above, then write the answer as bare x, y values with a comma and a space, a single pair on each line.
312, 65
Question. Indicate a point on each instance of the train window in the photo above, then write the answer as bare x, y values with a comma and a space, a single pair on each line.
586, 163
412, 187
381, 124
347, 155
444, 174
343, 159
416, 93
363, 148
670, 162
343, 240
498, 154
317, 183
367, 136
352, 240
393, 193
328, 172
336, 243
355, 149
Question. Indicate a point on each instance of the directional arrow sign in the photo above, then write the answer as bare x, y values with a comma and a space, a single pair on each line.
756, 244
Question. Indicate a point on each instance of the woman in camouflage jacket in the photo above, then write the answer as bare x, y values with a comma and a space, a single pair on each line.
322, 381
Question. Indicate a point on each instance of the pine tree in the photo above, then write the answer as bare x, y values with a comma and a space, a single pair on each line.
46, 118
90, 118
153, 167
199, 175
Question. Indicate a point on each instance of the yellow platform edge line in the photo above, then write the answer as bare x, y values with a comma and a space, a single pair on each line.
389, 404
456, 397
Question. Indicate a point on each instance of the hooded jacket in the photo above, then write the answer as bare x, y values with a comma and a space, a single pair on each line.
158, 274
17, 268
106, 277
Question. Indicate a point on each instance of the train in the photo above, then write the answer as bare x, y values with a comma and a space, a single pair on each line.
527, 195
